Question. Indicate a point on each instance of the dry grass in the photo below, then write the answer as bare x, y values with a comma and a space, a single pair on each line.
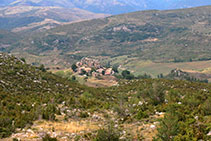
208, 70
105, 82
143, 130
67, 127
60, 128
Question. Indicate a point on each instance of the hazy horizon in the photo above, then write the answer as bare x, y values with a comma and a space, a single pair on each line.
111, 6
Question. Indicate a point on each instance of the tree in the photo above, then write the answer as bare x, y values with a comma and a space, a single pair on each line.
109, 133
155, 95
127, 75
160, 76
23, 59
42, 68
145, 76
103, 72
74, 67
73, 78
169, 126
83, 72
115, 69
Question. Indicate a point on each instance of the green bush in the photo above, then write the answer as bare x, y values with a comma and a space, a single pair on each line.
15, 139
74, 67
169, 126
206, 107
108, 134
141, 114
49, 112
154, 95
127, 75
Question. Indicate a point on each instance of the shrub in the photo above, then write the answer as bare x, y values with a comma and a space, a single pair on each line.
83, 115
49, 112
127, 75
42, 68
154, 95
206, 107
144, 76
169, 126
74, 67
108, 134
73, 78
141, 114
115, 68
48, 138
23, 59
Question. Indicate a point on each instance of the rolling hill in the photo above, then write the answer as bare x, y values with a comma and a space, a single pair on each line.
30, 18
159, 36
7, 38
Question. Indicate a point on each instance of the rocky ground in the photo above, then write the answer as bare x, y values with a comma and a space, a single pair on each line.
77, 128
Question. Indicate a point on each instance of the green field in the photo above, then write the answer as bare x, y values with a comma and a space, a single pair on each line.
140, 67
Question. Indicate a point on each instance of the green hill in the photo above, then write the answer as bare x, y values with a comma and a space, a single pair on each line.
159, 36
7, 38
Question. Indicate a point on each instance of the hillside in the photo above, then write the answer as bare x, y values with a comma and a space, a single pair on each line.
31, 18
178, 74
159, 36
24, 88
7, 37
66, 110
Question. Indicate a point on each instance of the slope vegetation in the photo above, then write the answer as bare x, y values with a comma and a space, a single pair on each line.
29, 93
23, 89
159, 36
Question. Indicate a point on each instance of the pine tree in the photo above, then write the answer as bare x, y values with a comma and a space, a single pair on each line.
169, 126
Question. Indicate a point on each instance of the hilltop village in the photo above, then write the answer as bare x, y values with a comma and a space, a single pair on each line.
92, 67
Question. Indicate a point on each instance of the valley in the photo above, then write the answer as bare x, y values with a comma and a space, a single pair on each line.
178, 39
71, 71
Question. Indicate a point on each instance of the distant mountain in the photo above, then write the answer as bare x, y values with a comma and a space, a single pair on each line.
30, 18
159, 36
111, 6
61, 3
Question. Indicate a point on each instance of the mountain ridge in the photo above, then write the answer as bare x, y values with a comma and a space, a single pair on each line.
30, 18
111, 6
